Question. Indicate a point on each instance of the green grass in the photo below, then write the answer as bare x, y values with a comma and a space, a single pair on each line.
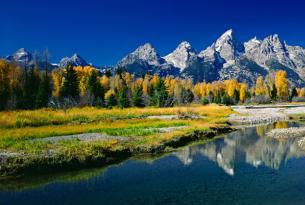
18, 129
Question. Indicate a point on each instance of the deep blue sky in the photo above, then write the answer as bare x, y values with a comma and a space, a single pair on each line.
103, 31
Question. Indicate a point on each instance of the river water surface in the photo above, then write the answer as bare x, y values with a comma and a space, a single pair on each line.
243, 167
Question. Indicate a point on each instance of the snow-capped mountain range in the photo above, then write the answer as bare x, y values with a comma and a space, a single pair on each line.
226, 58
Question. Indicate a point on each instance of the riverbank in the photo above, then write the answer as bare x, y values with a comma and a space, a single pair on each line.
53, 140
265, 113
254, 115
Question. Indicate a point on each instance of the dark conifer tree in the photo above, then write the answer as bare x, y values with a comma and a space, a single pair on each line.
187, 96
70, 86
31, 88
4, 84
160, 94
123, 97
95, 89
111, 101
273, 92
44, 92
137, 97
293, 93
108, 73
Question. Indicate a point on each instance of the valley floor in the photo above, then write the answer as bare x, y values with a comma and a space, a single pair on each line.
52, 140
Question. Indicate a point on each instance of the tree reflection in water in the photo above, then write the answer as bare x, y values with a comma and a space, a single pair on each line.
246, 145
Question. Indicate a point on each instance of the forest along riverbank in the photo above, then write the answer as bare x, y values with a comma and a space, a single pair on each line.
34, 142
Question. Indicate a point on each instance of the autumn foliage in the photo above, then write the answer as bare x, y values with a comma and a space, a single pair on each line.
87, 86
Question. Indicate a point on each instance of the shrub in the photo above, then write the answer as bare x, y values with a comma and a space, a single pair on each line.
261, 99
205, 101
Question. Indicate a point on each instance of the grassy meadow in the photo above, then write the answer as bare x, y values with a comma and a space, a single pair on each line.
21, 132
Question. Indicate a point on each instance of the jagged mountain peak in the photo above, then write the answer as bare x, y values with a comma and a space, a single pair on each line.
254, 40
271, 50
228, 47
185, 45
182, 56
252, 44
227, 34
22, 51
77, 57
74, 60
210, 55
273, 41
273, 37
145, 48
21, 56
145, 52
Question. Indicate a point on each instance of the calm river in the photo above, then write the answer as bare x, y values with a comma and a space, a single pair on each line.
243, 168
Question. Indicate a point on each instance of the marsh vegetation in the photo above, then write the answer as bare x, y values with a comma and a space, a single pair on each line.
26, 136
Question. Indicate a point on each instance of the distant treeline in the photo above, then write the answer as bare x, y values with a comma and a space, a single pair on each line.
24, 87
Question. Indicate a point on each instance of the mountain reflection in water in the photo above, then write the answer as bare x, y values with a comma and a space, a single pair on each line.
246, 145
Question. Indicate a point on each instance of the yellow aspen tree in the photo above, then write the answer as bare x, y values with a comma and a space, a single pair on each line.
146, 84
203, 90
208, 89
128, 79
281, 84
154, 80
197, 90
117, 82
188, 84
83, 74
232, 86
105, 82
301, 92
109, 93
252, 91
167, 81
177, 88
242, 92
170, 84
57, 79
259, 88
15, 75
298, 91
136, 83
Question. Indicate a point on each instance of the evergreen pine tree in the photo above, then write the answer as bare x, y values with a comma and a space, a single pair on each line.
31, 88
273, 92
95, 88
4, 84
108, 73
160, 94
70, 86
44, 92
123, 98
137, 97
236, 96
293, 93
110, 99
186, 96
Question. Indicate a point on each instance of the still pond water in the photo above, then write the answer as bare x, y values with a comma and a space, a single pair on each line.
242, 168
